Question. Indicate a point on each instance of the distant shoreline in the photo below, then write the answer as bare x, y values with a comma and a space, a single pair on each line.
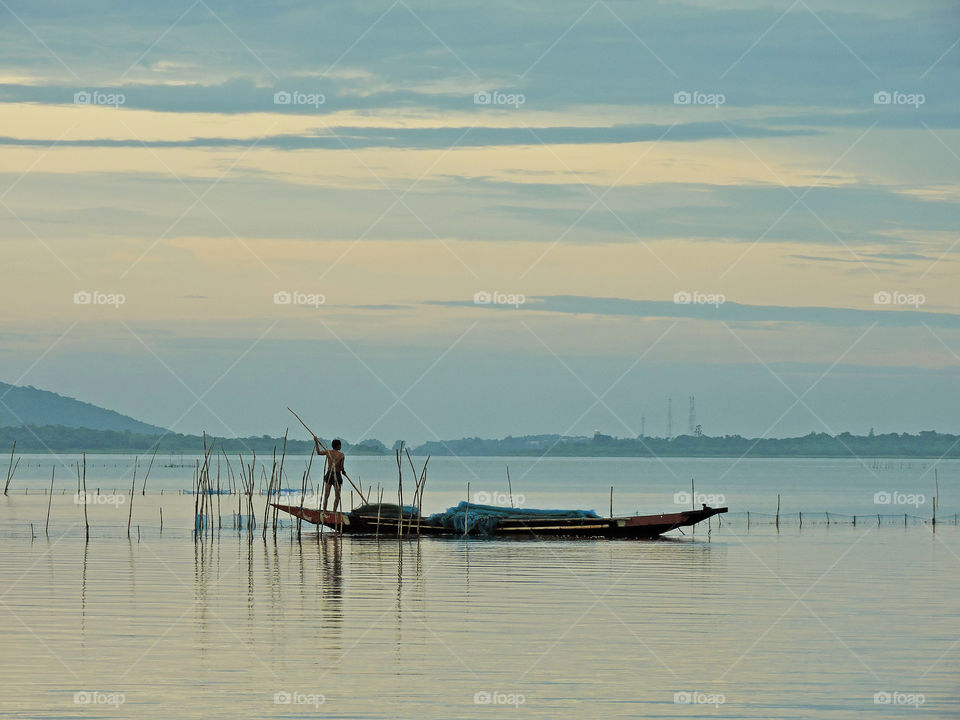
926, 445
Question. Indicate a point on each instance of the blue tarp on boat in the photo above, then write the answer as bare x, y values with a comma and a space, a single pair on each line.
474, 519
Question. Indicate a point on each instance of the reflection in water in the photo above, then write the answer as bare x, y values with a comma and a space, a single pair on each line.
416, 628
83, 595
331, 594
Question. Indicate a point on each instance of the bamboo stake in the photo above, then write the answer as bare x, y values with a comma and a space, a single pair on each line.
423, 482
303, 493
10, 468
86, 523
46, 528
611, 501
196, 500
133, 487
143, 490
416, 489
219, 516
509, 487
400, 493
283, 456
266, 506
936, 497
778, 511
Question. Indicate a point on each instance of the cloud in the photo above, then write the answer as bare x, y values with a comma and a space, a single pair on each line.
336, 137
727, 312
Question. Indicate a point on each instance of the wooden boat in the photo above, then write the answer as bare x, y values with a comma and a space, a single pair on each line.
636, 526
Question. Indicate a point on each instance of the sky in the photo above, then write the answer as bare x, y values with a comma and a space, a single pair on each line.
427, 220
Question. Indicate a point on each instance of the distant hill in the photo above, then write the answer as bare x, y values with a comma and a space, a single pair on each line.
31, 406
925, 444
60, 439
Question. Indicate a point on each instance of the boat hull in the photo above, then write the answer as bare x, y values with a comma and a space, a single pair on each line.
635, 527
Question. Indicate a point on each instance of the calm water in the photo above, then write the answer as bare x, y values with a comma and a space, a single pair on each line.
742, 621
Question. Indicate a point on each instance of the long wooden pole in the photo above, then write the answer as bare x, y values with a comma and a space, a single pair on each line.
343, 472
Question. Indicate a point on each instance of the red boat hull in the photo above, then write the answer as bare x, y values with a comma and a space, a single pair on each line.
637, 526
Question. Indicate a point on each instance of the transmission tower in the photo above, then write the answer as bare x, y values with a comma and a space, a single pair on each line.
692, 419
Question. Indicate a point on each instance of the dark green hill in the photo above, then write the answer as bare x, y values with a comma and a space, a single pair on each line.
31, 406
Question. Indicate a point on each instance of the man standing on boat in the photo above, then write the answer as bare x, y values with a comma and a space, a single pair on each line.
333, 474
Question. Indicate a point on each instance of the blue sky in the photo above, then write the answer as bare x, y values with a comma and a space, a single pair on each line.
754, 203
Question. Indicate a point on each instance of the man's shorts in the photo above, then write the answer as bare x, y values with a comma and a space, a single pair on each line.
334, 478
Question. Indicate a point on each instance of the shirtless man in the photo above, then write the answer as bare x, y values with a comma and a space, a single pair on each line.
334, 472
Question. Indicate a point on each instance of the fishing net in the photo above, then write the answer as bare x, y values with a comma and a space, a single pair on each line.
386, 510
481, 520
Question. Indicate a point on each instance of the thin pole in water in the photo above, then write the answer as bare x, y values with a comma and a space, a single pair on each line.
133, 486
46, 528
86, 523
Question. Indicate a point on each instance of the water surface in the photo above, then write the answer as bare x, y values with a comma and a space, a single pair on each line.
743, 622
